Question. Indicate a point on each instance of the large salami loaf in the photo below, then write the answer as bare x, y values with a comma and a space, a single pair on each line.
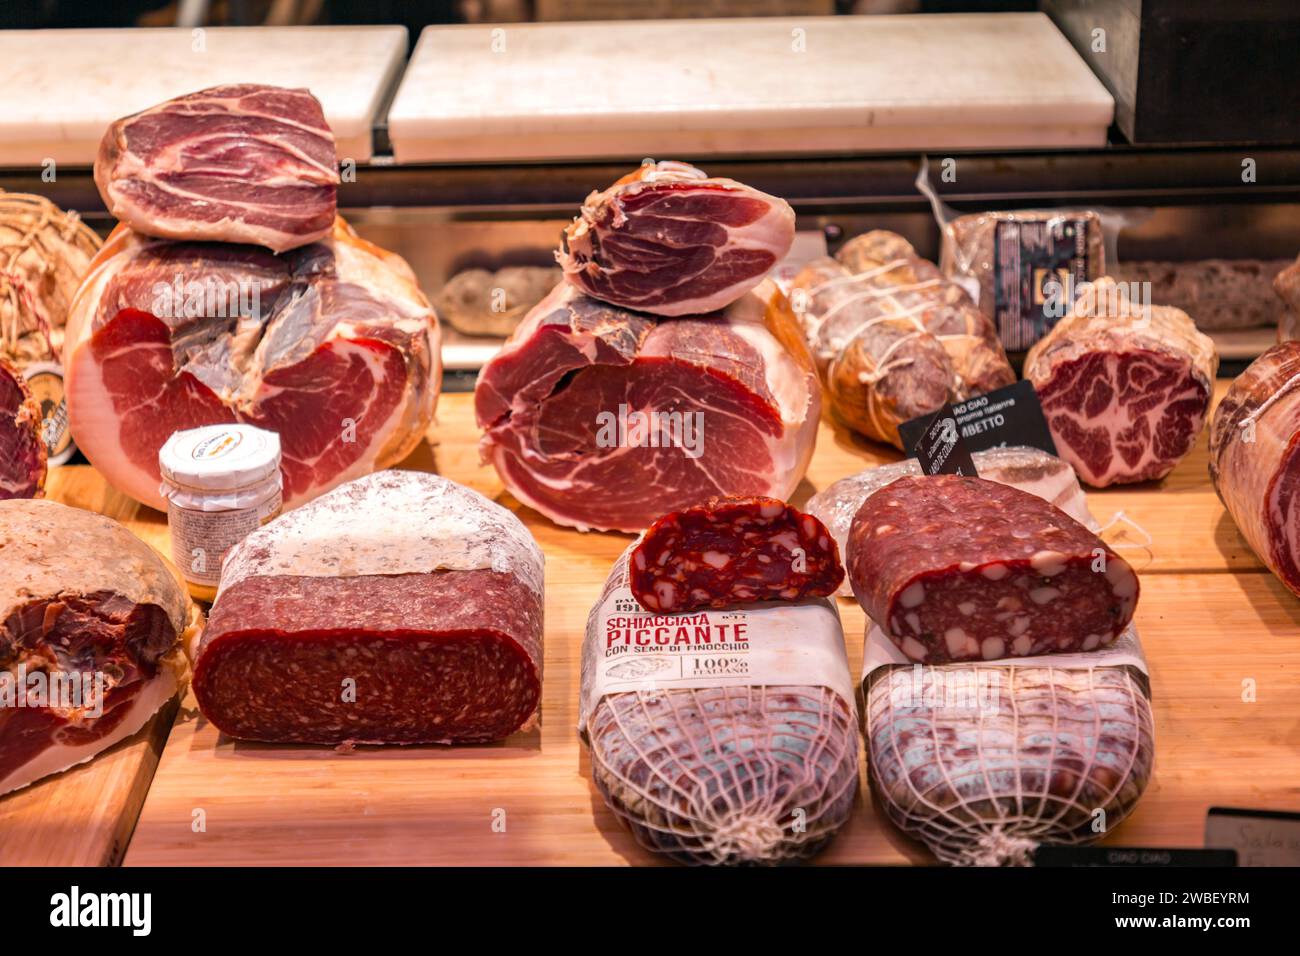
957, 568
720, 737
402, 607
731, 551
93, 630
1028, 469
894, 340
1125, 387
984, 763
1255, 458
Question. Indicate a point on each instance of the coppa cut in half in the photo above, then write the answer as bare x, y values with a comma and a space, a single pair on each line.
670, 240
95, 624
1125, 386
957, 569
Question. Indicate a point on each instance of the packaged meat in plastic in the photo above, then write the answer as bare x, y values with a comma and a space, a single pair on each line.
1028, 469
720, 737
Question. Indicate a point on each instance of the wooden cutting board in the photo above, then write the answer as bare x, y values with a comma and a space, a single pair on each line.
697, 88
1209, 618
60, 89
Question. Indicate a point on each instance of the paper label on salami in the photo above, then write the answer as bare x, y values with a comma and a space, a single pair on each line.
939, 445
45, 379
799, 643
1033, 261
879, 651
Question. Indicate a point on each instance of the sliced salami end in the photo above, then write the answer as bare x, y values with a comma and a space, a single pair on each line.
22, 451
959, 569
730, 551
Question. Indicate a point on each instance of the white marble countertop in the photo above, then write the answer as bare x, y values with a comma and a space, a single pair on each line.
756, 86
59, 89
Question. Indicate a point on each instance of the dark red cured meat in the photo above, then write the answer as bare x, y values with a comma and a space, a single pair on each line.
666, 239
451, 657
239, 163
731, 551
398, 608
958, 569
22, 451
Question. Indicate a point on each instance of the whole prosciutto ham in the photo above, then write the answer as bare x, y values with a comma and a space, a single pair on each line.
604, 418
1255, 458
331, 345
240, 163
670, 240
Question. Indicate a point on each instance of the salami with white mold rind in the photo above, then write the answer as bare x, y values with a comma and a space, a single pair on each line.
398, 608
959, 569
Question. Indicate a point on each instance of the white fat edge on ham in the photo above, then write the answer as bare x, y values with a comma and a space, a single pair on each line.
838, 503
391, 522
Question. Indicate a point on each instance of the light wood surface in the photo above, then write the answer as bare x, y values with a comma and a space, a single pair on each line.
1206, 629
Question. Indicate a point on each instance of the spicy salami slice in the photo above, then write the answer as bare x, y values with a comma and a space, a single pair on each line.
957, 568
730, 551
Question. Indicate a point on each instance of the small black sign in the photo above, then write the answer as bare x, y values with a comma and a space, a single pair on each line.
1131, 856
1008, 416
940, 447
1260, 837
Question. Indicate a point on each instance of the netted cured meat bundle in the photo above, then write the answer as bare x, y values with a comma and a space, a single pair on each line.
22, 447
399, 608
893, 339
983, 764
1028, 469
1255, 458
709, 762
93, 631
600, 417
670, 240
1125, 387
730, 551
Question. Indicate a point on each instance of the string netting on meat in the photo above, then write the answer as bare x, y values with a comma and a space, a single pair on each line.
728, 775
1044, 750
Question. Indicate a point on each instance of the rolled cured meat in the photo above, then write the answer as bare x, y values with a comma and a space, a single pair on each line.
1125, 387
92, 622
1255, 458
731, 551
1028, 469
670, 240
599, 417
720, 737
957, 569
893, 339
402, 608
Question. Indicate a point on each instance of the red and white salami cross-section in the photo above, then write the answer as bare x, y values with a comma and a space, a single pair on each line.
957, 569
720, 737
731, 551
399, 608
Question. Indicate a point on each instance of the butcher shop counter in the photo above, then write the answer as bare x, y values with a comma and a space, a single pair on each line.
1212, 621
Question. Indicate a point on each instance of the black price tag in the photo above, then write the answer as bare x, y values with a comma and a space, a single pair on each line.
940, 447
1259, 837
1131, 856
1008, 416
